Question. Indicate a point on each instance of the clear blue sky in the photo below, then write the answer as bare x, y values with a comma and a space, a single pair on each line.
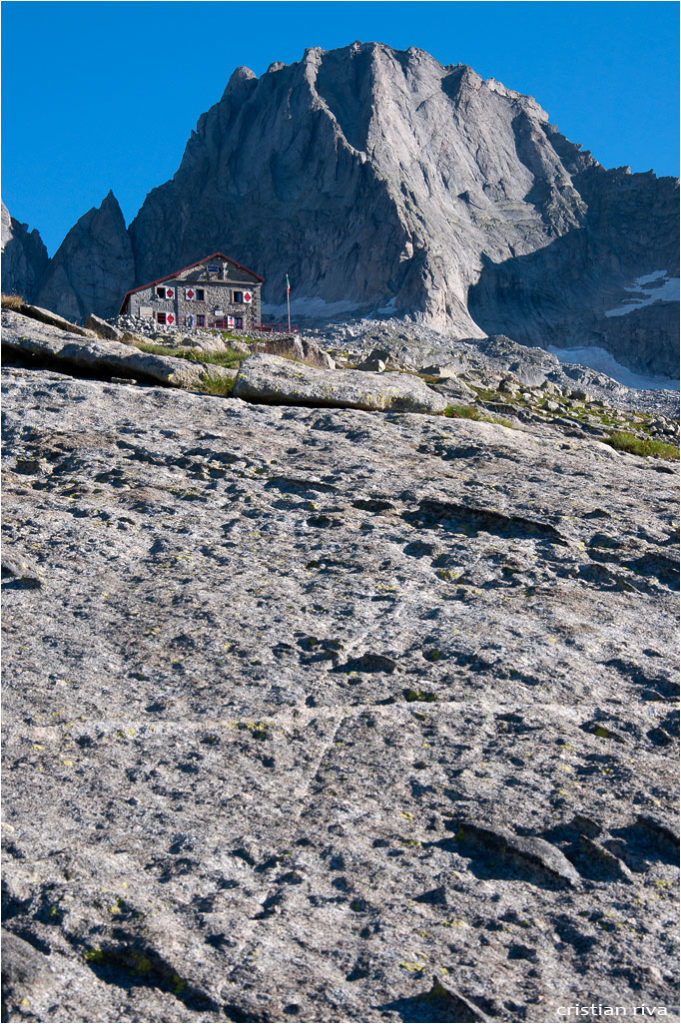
104, 95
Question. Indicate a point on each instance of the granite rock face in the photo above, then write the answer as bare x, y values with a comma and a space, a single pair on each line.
380, 180
354, 170
612, 283
328, 715
24, 258
93, 267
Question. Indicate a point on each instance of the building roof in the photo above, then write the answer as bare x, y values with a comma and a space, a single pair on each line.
169, 277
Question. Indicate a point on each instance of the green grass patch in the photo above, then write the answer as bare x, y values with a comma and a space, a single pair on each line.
433, 655
231, 358
488, 394
578, 412
622, 441
159, 350
247, 338
469, 412
411, 696
214, 385
463, 412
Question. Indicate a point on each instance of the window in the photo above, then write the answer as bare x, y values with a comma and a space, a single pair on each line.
213, 268
165, 293
238, 297
200, 320
238, 321
160, 293
199, 295
160, 318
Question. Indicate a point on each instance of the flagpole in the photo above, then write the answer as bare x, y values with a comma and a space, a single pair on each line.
288, 302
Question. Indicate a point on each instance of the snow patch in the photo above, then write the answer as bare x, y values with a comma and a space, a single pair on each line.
389, 307
649, 288
603, 362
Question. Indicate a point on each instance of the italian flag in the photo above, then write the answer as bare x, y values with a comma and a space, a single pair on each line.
288, 286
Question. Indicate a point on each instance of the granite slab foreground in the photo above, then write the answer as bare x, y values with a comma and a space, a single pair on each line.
279, 381
307, 708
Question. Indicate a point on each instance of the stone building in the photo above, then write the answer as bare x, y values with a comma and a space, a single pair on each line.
216, 291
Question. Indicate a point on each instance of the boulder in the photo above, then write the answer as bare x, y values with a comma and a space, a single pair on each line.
276, 381
294, 347
69, 351
376, 361
46, 316
441, 370
372, 366
106, 330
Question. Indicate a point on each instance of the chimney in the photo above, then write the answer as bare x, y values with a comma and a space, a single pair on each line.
223, 276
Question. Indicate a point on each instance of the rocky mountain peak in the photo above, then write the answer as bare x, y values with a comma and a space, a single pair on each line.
24, 257
93, 266
239, 78
387, 184
391, 145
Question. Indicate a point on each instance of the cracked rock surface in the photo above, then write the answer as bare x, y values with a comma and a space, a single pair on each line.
330, 715
273, 379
